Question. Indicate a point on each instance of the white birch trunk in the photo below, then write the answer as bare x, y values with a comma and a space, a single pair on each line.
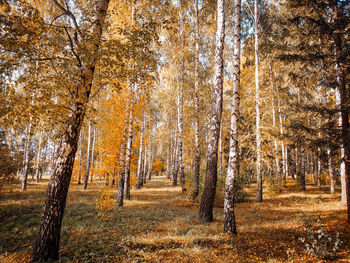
233, 162
259, 197
88, 159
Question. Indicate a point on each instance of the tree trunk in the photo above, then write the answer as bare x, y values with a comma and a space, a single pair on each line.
47, 240
319, 167
196, 106
120, 193
28, 143
37, 170
233, 161
344, 100
144, 161
168, 159
139, 179
259, 195
278, 170
128, 157
286, 160
330, 170
149, 170
93, 155
207, 200
220, 154
87, 171
175, 168
179, 143
302, 172
80, 158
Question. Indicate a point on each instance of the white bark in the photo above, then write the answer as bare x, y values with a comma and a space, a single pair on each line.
257, 105
233, 162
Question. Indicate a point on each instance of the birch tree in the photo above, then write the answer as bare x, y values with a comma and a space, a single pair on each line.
233, 162
207, 200
48, 237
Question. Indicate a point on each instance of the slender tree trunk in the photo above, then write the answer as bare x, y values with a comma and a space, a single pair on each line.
286, 160
93, 154
139, 179
259, 195
319, 167
120, 193
168, 159
80, 158
313, 169
278, 170
302, 174
128, 157
220, 154
207, 200
196, 105
88, 159
175, 170
47, 240
233, 162
149, 170
330, 170
28, 143
179, 143
38, 164
144, 166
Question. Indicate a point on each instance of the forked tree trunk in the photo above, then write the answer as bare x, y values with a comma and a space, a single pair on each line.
207, 200
233, 161
259, 194
196, 106
88, 159
48, 238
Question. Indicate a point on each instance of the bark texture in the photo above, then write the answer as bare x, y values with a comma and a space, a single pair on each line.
120, 193
233, 161
197, 159
207, 200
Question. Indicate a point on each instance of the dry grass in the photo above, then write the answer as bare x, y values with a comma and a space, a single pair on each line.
160, 225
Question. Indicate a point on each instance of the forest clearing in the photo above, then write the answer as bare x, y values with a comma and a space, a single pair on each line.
161, 225
174, 131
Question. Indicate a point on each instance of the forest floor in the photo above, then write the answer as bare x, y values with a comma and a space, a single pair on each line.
161, 225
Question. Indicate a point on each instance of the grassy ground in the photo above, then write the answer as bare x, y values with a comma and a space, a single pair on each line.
160, 225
